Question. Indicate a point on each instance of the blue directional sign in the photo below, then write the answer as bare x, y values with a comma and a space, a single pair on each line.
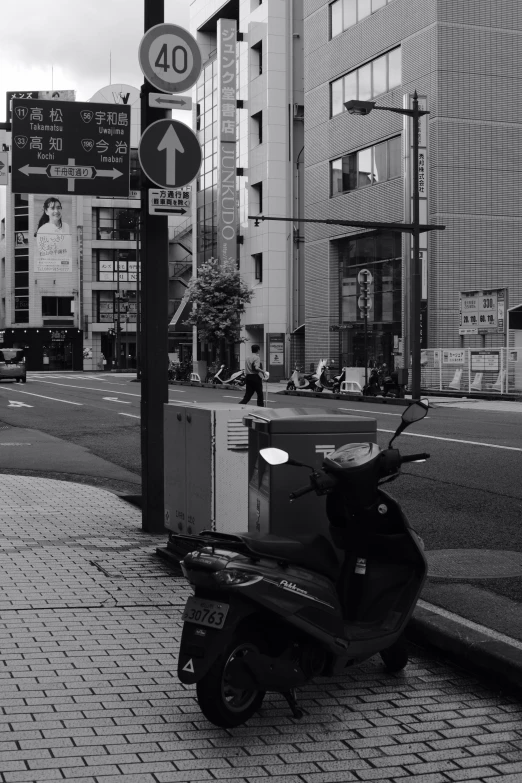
65, 147
169, 153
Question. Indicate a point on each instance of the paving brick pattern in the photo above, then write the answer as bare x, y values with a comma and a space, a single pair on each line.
90, 621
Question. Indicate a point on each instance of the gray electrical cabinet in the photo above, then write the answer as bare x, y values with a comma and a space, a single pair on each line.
308, 435
206, 468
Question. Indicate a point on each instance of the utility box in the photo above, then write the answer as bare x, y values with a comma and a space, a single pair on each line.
206, 468
308, 435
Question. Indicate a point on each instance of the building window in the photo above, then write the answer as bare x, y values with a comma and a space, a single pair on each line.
118, 224
116, 265
257, 128
257, 59
56, 306
21, 259
257, 197
346, 13
108, 306
258, 267
374, 78
368, 166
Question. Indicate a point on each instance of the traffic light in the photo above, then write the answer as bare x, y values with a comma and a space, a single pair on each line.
365, 300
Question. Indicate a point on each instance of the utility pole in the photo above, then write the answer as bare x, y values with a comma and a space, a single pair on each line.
415, 328
154, 331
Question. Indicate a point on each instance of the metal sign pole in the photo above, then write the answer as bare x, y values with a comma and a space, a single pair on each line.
154, 330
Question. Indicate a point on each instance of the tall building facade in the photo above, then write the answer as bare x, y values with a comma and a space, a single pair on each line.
249, 120
461, 58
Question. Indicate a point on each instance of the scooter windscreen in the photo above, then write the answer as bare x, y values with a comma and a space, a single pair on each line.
353, 457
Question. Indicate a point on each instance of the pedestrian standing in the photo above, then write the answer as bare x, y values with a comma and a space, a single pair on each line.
254, 378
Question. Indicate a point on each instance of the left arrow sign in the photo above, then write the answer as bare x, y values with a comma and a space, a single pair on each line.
27, 169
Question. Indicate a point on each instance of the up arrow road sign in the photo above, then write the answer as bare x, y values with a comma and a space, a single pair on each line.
169, 153
159, 100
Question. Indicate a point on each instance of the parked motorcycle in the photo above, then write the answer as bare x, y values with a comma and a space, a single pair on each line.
391, 385
270, 613
236, 379
375, 385
298, 380
324, 382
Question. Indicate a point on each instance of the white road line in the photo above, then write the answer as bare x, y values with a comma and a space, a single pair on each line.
132, 415
455, 440
89, 388
379, 413
32, 394
230, 397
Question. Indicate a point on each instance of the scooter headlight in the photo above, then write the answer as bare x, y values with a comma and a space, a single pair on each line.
235, 577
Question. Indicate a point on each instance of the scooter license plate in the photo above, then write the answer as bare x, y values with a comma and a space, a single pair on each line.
202, 612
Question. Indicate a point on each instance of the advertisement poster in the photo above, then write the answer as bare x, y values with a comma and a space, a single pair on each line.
53, 239
456, 356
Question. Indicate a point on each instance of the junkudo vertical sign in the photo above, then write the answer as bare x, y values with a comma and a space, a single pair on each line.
227, 212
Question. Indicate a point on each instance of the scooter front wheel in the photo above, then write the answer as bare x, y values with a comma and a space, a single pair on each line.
221, 702
396, 657
290, 386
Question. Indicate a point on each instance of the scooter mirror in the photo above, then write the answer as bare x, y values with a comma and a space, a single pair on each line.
415, 412
274, 456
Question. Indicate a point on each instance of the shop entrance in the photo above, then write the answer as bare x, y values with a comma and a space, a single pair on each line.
58, 355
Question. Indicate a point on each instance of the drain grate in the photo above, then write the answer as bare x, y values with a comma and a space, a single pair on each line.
473, 564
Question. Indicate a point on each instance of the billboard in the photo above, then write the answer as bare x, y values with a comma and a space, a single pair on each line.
227, 212
52, 248
482, 311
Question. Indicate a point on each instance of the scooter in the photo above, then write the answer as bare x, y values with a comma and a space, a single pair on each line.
297, 380
236, 379
324, 383
270, 613
374, 387
392, 388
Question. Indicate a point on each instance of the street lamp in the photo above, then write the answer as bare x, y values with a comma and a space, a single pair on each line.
362, 108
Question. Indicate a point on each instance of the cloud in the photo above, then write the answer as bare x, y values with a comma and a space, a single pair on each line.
75, 39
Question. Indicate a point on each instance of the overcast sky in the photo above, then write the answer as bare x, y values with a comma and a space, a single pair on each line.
66, 44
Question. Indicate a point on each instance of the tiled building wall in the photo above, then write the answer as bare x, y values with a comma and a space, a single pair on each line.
472, 78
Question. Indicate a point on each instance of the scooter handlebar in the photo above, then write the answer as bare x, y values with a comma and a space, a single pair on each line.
297, 493
415, 457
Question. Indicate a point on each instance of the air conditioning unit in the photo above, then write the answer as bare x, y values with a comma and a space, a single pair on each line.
298, 111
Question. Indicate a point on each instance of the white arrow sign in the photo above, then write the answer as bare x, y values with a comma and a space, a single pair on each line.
16, 404
113, 173
27, 169
162, 101
172, 145
115, 399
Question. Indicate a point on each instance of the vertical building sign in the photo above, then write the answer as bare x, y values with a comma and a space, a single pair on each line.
227, 212
423, 204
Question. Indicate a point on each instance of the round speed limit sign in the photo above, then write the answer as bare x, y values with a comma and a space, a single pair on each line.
170, 58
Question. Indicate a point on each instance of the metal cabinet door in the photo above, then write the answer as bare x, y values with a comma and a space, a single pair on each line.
199, 469
175, 468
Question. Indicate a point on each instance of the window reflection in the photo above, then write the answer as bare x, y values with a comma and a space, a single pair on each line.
374, 78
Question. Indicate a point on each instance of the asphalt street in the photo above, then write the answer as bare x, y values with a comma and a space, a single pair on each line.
468, 496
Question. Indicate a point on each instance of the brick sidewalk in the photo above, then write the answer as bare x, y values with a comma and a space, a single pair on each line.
90, 622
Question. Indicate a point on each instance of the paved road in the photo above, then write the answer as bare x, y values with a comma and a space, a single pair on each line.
469, 496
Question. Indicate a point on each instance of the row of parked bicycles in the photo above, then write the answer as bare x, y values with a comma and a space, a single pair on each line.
380, 382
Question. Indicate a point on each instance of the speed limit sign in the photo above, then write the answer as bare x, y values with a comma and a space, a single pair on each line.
170, 58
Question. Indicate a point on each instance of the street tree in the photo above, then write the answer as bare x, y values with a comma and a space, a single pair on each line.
219, 297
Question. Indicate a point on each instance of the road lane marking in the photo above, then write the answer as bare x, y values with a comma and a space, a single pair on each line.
230, 397
115, 399
132, 415
455, 440
32, 394
379, 413
18, 404
89, 388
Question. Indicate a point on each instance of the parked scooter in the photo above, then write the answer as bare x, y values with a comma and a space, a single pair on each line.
236, 379
324, 382
392, 388
270, 613
298, 380
375, 386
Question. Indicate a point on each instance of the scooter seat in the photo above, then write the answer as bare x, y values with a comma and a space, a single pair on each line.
314, 552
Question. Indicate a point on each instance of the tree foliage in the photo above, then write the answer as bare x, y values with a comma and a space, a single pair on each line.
219, 297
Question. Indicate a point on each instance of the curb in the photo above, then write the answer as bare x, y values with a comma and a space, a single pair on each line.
468, 647
347, 396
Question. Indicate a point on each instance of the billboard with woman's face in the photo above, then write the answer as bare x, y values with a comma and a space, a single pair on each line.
53, 240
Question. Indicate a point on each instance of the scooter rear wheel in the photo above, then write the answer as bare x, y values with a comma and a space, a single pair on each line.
222, 703
396, 657
290, 386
